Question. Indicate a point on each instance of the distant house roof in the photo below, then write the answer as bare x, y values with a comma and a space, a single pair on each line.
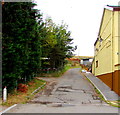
86, 59
83, 57
73, 59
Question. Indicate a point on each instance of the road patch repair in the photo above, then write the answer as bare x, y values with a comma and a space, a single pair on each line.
63, 96
70, 93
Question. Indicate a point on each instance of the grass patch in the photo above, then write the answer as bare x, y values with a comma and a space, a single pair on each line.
76, 67
114, 103
16, 97
58, 73
99, 94
61, 72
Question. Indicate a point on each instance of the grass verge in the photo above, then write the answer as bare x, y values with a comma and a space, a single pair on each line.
112, 103
59, 72
97, 91
19, 97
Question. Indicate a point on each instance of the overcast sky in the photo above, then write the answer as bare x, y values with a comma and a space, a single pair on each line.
83, 18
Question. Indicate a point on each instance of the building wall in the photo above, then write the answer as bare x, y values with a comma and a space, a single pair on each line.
103, 49
116, 44
106, 65
116, 39
116, 81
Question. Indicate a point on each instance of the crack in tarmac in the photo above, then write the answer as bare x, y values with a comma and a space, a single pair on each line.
69, 93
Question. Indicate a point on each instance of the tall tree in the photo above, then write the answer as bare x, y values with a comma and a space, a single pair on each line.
56, 43
21, 41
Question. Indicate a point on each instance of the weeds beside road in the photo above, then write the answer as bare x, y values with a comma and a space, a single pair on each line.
69, 93
16, 97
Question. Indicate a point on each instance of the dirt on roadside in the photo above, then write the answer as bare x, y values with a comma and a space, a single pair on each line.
50, 83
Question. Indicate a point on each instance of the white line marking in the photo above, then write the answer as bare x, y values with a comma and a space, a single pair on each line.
8, 109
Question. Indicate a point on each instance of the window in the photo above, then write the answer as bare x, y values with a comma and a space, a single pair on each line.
96, 63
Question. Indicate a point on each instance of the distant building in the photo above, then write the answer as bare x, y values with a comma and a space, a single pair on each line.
86, 61
74, 61
106, 64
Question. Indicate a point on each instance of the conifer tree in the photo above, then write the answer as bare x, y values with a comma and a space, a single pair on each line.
21, 42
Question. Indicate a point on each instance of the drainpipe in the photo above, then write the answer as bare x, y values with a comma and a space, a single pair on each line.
94, 61
94, 67
112, 49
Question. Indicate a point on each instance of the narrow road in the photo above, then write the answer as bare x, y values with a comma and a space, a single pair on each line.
71, 93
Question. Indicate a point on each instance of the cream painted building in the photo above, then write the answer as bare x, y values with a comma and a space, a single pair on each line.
106, 64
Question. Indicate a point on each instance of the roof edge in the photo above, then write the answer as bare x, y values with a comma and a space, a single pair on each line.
107, 7
113, 8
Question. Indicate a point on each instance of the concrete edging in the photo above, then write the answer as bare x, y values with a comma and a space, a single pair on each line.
97, 88
38, 88
8, 109
16, 104
107, 101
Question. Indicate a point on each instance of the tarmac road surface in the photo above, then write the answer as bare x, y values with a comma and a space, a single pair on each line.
71, 93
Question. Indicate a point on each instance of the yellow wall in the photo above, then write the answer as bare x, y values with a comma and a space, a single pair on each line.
106, 52
103, 54
116, 38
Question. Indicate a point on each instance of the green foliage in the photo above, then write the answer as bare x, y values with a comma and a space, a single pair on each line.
27, 41
56, 43
21, 42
